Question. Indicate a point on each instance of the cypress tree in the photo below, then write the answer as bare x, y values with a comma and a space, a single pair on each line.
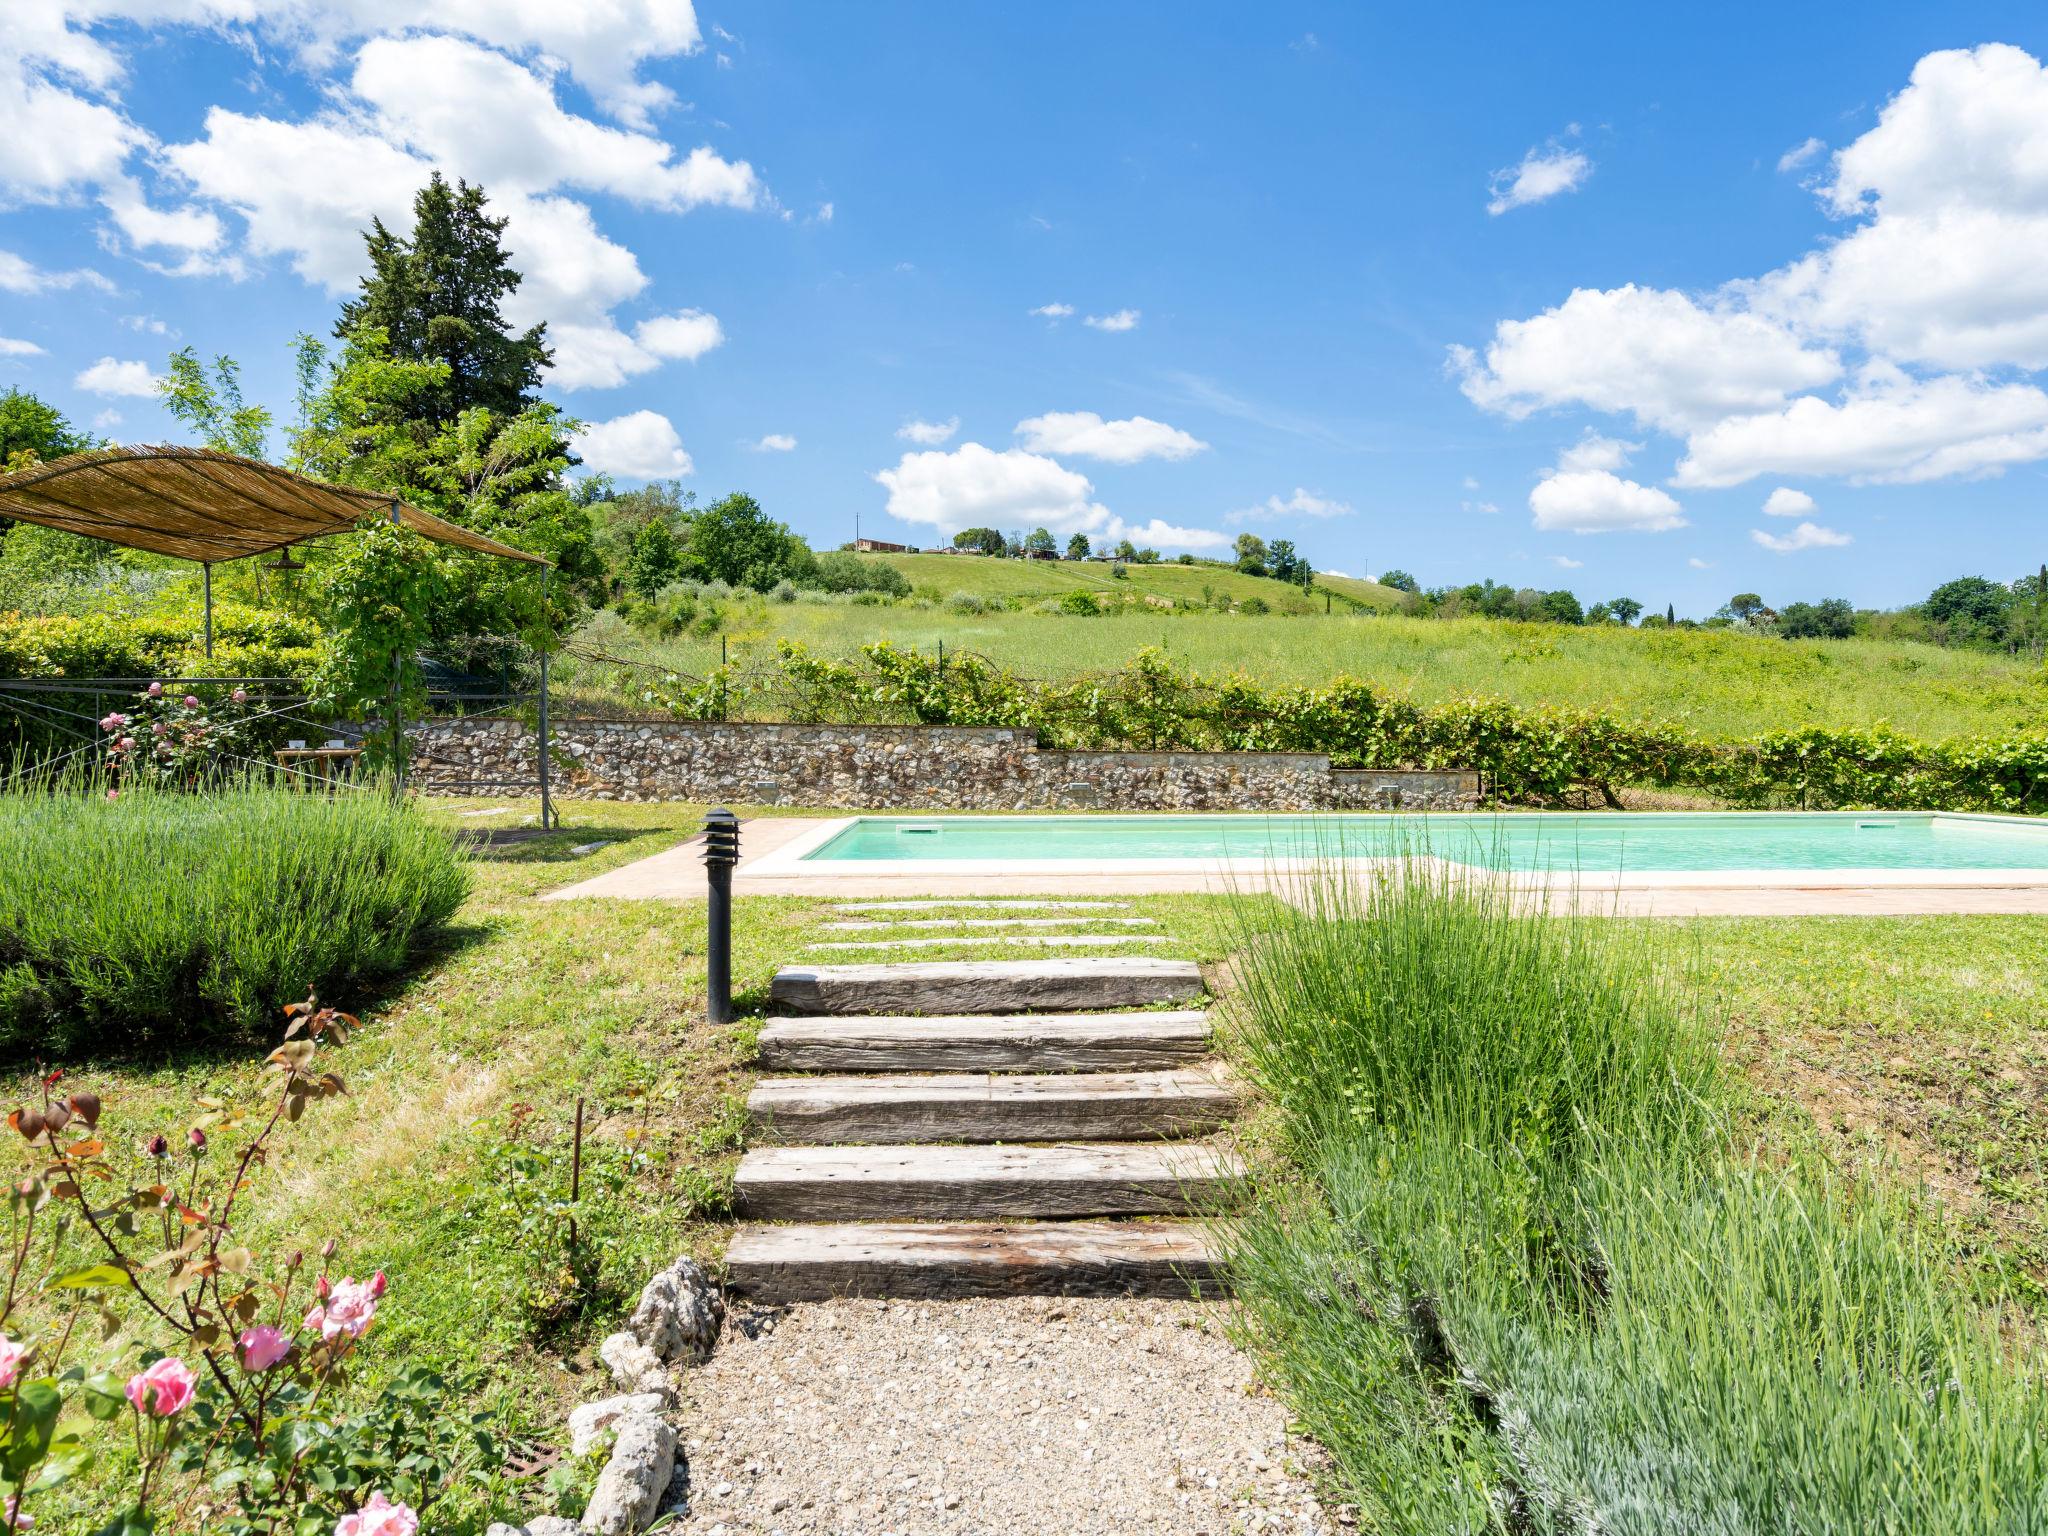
436, 296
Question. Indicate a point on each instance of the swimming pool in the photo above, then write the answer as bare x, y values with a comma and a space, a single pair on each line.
1542, 842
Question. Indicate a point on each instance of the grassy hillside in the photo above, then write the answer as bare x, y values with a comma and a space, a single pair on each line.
1721, 682
940, 576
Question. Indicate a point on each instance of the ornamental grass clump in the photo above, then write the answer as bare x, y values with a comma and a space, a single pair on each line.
1529, 1277
146, 917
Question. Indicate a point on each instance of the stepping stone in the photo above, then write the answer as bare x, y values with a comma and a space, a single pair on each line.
967, 902
986, 986
960, 1259
1043, 1042
991, 922
1122, 1106
1029, 940
978, 1183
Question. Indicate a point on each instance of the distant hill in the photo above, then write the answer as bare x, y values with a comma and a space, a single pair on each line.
985, 576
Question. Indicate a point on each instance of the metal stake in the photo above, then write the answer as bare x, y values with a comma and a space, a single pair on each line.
546, 800
721, 852
206, 581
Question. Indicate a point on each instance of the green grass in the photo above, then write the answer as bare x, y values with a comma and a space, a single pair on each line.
1721, 683
1532, 1277
941, 576
163, 917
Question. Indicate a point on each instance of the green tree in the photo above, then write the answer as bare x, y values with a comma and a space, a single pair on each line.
1039, 544
1625, 609
734, 541
1830, 619
1560, 607
1126, 550
1746, 607
1281, 560
213, 408
988, 540
437, 296
32, 431
1970, 610
1400, 581
1077, 547
1251, 554
655, 559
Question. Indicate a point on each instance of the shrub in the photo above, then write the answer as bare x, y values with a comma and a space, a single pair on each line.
965, 602
1254, 605
152, 918
1080, 603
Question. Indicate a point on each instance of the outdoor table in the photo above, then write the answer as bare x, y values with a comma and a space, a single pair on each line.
329, 765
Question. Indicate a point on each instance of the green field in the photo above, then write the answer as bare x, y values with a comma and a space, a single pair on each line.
1722, 683
940, 576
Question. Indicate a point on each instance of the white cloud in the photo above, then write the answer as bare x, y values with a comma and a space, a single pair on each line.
1471, 484
1698, 564
1800, 154
824, 213
12, 347
1121, 320
1565, 562
1786, 502
107, 420
1598, 501
928, 434
598, 355
1114, 442
641, 445
1650, 353
1889, 428
19, 275
1054, 311
975, 486
53, 139
1303, 503
1592, 451
1545, 172
1484, 508
775, 442
110, 376
1805, 536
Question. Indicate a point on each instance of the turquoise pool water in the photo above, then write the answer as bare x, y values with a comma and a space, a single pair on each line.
1633, 842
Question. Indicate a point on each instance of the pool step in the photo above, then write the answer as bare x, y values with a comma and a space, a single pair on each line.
860, 924
1031, 1042
979, 1106
918, 1183
986, 986
941, 1260
1025, 940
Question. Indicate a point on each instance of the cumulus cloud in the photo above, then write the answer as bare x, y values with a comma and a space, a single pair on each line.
1053, 311
20, 275
1592, 451
1119, 320
599, 355
1786, 502
1799, 155
928, 434
774, 442
976, 486
1545, 172
1600, 501
1114, 442
13, 347
112, 376
1303, 503
1805, 536
641, 445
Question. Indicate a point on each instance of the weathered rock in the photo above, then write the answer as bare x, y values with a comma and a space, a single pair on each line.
590, 1420
634, 1366
540, 1525
680, 1313
630, 1488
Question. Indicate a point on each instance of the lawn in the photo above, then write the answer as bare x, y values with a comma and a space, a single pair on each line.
1720, 683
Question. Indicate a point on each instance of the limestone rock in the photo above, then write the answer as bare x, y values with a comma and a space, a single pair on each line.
630, 1489
540, 1525
680, 1313
590, 1420
634, 1366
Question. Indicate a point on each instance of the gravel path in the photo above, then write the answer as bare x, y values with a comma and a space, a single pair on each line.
1026, 1417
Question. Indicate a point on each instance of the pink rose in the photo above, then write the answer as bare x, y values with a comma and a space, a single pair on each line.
158, 729
113, 794
13, 1521
240, 695
191, 702
11, 1356
156, 690
163, 1389
262, 1347
379, 1517
348, 1309
127, 743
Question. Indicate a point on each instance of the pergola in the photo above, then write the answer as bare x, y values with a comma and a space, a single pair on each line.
206, 506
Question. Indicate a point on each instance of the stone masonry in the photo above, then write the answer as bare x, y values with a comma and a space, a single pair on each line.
894, 767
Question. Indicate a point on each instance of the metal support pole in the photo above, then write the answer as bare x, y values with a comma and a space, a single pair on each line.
721, 852
396, 722
206, 582
546, 801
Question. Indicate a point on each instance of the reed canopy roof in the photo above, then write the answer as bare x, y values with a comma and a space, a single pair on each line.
202, 505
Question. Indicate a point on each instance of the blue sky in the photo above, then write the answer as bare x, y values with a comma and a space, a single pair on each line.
1566, 300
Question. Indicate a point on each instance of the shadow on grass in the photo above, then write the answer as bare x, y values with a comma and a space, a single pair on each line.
555, 845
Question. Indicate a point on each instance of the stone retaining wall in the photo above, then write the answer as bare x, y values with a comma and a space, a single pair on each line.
884, 767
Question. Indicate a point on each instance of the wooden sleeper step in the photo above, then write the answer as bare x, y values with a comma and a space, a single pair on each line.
986, 986
961, 1259
978, 1106
1042, 1042
925, 1183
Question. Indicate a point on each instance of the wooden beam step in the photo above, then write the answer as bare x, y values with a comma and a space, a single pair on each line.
862, 924
942, 1260
978, 1106
984, 1183
1040, 1042
976, 903
986, 986
1020, 940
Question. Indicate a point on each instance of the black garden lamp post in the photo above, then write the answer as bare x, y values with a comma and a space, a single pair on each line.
721, 852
